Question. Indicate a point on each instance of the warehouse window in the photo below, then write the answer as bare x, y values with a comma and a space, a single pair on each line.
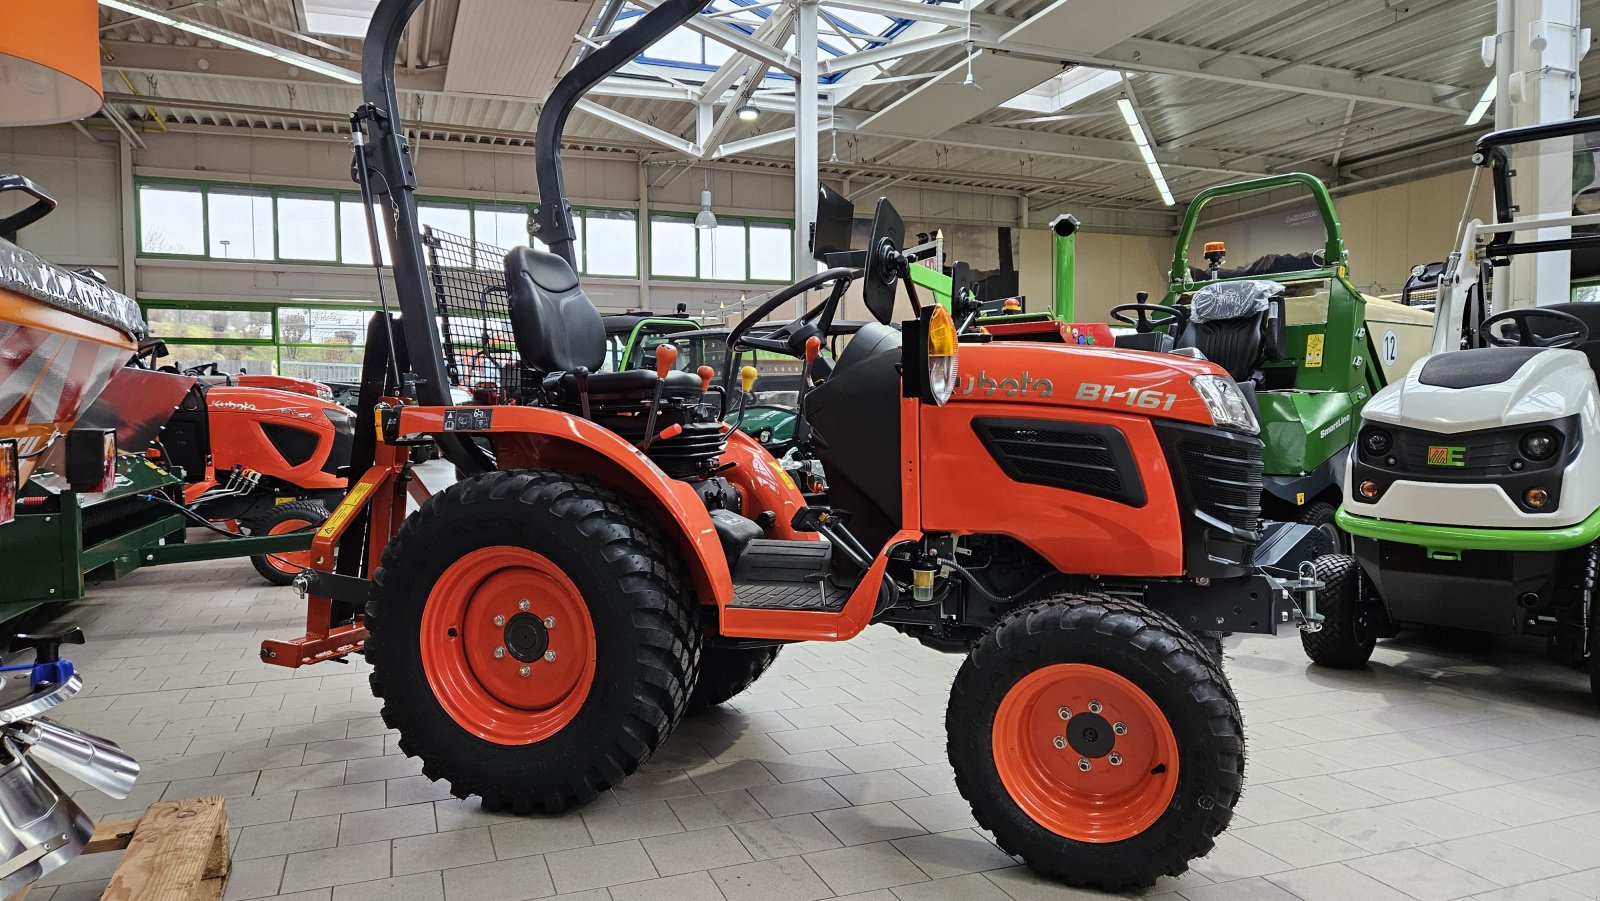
612, 245
672, 243
737, 250
239, 224
355, 243
172, 220
315, 340
306, 225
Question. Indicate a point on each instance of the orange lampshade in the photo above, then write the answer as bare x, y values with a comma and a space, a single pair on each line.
49, 61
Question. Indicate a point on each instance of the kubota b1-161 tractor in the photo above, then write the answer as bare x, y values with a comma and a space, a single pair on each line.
617, 554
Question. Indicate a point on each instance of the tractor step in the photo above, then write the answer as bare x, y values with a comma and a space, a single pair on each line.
773, 574
814, 597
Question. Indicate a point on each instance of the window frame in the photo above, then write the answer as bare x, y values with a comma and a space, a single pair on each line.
273, 309
338, 196
745, 221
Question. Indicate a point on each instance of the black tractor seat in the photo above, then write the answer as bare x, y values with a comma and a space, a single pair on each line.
558, 331
1236, 325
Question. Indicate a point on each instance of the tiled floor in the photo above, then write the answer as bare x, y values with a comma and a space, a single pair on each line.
1446, 770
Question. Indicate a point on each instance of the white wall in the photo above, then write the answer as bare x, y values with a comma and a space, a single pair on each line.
1387, 230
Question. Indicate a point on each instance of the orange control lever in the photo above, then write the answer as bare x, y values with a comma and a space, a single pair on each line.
666, 358
706, 374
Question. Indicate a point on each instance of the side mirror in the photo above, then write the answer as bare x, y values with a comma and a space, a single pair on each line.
884, 262
835, 218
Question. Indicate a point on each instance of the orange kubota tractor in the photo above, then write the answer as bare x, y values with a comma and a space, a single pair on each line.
264, 453
1067, 518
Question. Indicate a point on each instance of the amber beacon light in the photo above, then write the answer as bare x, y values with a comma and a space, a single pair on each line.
49, 61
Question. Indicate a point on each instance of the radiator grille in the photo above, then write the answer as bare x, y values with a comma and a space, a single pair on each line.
1224, 481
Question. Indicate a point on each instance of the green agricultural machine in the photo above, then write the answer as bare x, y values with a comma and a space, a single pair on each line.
1314, 355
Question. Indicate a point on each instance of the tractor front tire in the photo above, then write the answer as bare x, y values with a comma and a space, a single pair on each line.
300, 516
726, 672
1097, 740
533, 639
1346, 639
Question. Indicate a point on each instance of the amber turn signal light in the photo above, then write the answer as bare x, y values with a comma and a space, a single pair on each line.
1368, 489
1536, 497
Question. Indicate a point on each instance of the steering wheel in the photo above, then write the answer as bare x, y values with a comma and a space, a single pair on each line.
778, 340
1142, 324
1525, 336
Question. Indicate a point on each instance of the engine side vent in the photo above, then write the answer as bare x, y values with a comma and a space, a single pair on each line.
1225, 481
1090, 459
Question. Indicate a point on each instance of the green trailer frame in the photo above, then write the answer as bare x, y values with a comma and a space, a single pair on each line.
62, 541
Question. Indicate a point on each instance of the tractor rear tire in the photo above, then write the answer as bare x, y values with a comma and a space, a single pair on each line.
1097, 740
1346, 639
533, 639
282, 567
726, 672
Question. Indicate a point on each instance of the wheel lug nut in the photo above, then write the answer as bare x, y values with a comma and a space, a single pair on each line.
1083, 764
1114, 759
499, 620
525, 670
1060, 742
1119, 728
549, 657
549, 622
499, 652
1065, 713
523, 604
1094, 707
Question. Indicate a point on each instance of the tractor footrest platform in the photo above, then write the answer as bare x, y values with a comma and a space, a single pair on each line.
777, 560
812, 597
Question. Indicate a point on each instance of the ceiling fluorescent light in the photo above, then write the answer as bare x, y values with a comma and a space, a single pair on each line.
1484, 102
1142, 141
230, 39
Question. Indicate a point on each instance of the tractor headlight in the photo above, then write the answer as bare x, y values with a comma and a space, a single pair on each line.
1229, 409
1538, 445
942, 368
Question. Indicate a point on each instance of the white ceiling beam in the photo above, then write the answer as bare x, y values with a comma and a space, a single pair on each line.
1075, 29
234, 39
892, 51
754, 142
946, 14
227, 64
1166, 58
736, 39
774, 31
664, 138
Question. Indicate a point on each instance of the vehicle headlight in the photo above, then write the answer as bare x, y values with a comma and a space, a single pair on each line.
1229, 410
942, 343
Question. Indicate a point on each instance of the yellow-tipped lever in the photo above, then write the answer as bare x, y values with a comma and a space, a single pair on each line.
747, 381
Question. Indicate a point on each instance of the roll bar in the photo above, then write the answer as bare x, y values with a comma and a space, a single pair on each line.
382, 151
1490, 153
1333, 253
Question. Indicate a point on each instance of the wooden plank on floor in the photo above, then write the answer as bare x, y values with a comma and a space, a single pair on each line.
174, 854
112, 835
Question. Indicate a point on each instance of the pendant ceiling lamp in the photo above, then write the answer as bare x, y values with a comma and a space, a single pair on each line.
49, 61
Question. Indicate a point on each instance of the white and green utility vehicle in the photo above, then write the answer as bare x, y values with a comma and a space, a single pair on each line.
1473, 489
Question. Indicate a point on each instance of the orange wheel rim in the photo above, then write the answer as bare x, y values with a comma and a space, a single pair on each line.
290, 562
507, 645
1085, 753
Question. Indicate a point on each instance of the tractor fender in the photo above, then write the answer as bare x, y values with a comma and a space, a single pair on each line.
535, 438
